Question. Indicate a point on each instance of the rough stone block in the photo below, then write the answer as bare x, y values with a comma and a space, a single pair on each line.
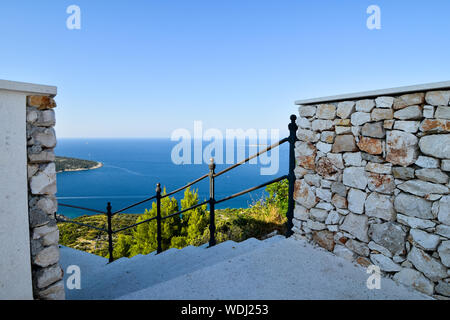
41, 102
344, 143
370, 145
401, 148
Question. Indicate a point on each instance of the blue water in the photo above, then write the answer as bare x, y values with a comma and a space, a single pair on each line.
133, 167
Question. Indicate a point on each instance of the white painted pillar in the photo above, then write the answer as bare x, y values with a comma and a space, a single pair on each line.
15, 260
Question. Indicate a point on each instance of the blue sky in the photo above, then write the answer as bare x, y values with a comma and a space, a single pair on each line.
145, 68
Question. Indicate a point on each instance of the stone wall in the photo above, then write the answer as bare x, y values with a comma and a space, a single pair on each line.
373, 183
47, 275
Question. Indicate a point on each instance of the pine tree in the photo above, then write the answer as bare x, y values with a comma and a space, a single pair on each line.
194, 221
123, 246
178, 231
145, 236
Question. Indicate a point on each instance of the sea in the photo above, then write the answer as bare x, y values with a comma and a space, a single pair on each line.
132, 168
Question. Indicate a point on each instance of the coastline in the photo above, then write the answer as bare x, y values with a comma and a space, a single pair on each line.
97, 166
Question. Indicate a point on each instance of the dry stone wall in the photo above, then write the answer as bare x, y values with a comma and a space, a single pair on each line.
47, 274
372, 184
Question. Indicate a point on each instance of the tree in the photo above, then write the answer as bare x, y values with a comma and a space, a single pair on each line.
278, 195
194, 221
145, 240
123, 246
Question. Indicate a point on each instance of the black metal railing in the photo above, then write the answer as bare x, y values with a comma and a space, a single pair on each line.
211, 201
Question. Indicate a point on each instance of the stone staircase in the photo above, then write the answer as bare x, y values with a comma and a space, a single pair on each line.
275, 268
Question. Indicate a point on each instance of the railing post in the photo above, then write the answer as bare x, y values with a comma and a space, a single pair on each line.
110, 233
291, 176
158, 218
212, 202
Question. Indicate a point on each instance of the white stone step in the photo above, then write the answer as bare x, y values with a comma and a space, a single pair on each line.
128, 275
274, 239
285, 269
86, 261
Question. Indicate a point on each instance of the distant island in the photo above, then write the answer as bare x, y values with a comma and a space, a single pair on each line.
64, 164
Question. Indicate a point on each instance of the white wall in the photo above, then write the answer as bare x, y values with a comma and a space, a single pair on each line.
15, 260
15, 263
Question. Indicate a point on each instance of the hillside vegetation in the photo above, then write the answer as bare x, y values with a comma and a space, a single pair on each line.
191, 228
72, 164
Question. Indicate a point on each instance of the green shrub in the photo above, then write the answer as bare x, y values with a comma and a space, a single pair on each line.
189, 228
